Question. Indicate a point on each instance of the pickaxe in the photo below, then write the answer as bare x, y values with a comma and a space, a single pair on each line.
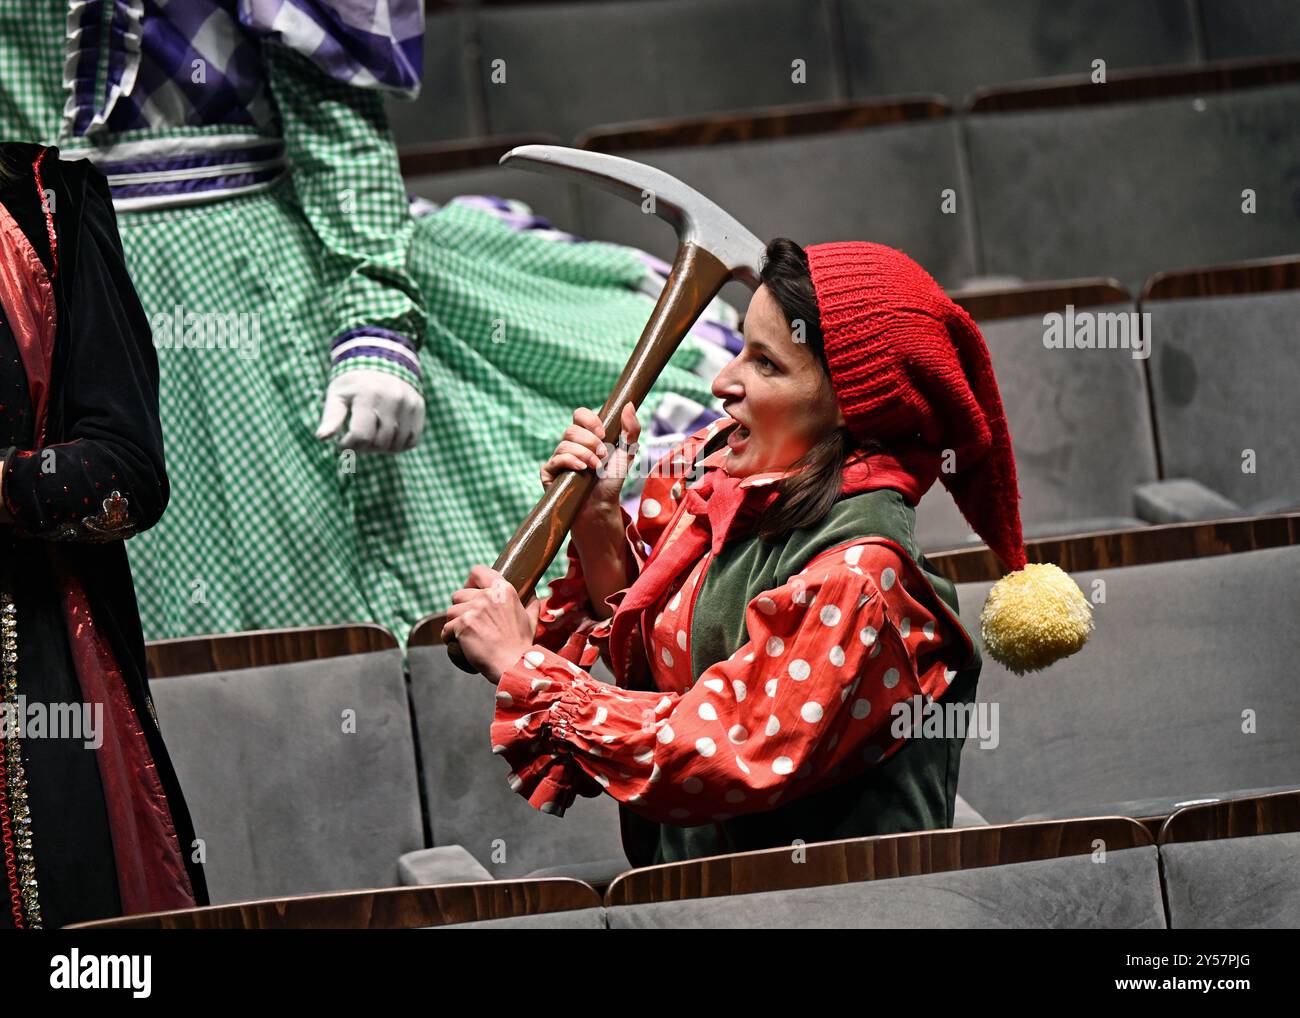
712, 249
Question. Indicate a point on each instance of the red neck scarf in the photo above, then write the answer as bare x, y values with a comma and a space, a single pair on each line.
724, 507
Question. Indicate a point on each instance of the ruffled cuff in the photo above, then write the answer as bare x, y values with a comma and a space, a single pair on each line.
535, 706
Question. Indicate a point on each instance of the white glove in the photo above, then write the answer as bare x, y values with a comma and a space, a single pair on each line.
387, 412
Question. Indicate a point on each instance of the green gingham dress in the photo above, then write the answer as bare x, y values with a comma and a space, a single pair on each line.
515, 325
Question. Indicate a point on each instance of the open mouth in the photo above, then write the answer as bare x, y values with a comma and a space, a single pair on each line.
737, 436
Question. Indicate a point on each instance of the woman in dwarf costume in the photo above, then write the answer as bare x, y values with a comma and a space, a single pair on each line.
785, 608
92, 821
290, 288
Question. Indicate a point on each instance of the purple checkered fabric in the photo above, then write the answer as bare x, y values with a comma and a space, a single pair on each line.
197, 62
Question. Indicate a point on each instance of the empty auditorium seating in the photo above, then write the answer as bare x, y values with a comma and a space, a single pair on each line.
1249, 28
470, 800
446, 105
294, 750
843, 172
566, 904
1096, 873
1224, 378
1232, 865
1079, 418
1138, 175
569, 66
1186, 690
896, 46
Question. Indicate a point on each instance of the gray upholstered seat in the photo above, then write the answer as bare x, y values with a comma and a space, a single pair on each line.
1128, 189
470, 800
1156, 806
570, 66
300, 777
897, 46
1233, 883
443, 109
1079, 891
574, 919
1224, 377
1250, 28
1080, 429
1187, 687
880, 183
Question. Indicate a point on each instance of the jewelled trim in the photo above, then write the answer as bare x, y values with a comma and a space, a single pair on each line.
113, 523
15, 809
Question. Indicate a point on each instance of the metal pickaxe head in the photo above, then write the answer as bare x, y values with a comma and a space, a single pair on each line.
712, 249
698, 220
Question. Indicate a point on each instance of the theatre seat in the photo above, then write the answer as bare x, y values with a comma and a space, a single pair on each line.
1076, 874
469, 795
1232, 865
294, 750
1185, 689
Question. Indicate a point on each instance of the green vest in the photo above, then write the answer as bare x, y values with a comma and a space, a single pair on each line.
913, 790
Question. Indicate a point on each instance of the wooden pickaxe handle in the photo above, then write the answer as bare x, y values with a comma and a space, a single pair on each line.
695, 280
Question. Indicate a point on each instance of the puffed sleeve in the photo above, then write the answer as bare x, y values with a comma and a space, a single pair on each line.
347, 179
808, 701
107, 480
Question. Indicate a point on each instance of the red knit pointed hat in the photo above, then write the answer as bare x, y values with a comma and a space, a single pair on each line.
906, 361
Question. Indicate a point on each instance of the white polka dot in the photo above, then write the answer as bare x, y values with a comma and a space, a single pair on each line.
665, 734
773, 725
707, 712
668, 657
705, 746
717, 685
738, 734
748, 657
659, 618
854, 554
740, 689
663, 704
735, 795
541, 684
601, 715
887, 578
681, 638
608, 738
874, 651
650, 508
498, 749
830, 615
742, 765
837, 656
547, 807
602, 780
867, 635
811, 712
891, 678
677, 600
928, 630
534, 658
769, 687
905, 628
799, 669
861, 708
504, 697
654, 774
767, 606
948, 674
782, 765
775, 647
692, 786
644, 758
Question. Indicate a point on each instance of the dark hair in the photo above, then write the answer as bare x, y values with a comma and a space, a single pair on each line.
803, 500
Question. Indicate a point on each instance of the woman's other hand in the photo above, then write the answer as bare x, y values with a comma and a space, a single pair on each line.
490, 623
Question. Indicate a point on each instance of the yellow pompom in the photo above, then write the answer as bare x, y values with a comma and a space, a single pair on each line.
1033, 617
